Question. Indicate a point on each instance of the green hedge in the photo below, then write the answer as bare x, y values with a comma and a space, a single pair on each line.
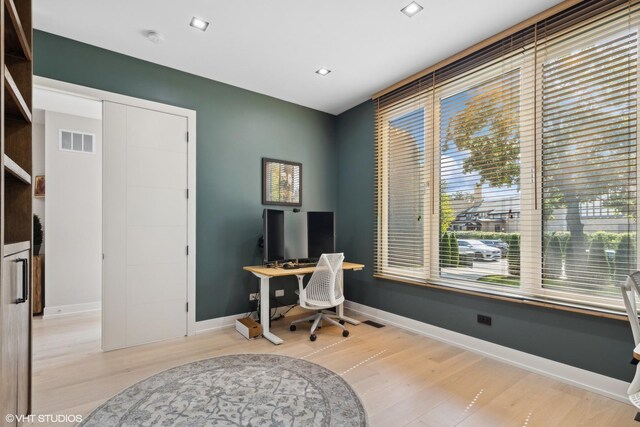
611, 240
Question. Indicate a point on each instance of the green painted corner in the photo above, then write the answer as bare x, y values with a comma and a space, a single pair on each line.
588, 342
235, 129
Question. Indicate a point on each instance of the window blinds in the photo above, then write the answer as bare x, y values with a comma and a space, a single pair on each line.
513, 170
588, 77
404, 123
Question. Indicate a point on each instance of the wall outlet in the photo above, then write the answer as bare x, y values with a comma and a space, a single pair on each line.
484, 320
254, 297
279, 292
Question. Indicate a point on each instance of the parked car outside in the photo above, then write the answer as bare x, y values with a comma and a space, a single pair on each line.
480, 250
466, 255
609, 253
500, 244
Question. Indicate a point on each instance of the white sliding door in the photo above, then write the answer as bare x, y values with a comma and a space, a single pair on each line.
145, 226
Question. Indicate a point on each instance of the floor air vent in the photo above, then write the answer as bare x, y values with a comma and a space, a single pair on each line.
374, 324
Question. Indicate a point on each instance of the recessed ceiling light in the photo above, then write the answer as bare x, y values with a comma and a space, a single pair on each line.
323, 71
155, 36
411, 9
199, 24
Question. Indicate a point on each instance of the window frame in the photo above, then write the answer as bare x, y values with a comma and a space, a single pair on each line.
383, 176
531, 284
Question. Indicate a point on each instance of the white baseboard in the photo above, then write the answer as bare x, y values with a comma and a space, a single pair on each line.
597, 383
218, 323
229, 321
63, 310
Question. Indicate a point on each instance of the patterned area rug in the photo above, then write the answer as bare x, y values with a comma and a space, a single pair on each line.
236, 390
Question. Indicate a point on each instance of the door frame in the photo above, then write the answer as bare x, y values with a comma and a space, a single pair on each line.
101, 95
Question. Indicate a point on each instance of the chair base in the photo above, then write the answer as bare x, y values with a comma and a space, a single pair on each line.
317, 319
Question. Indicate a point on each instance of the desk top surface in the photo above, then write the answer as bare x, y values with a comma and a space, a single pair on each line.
279, 271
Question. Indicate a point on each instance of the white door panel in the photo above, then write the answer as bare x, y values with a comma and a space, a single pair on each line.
144, 321
157, 169
160, 131
114, 226
142, 205
145, 226
156, 245
154, 285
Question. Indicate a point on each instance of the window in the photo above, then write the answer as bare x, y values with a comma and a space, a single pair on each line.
480, 155
403, 230
514, 170
589, 142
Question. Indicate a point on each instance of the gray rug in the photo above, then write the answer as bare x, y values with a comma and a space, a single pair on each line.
236, 390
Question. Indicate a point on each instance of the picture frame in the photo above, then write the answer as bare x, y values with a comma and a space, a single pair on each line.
281, 182
39, 186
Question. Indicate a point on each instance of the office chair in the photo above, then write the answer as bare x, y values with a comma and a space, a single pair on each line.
323, 291
630, 290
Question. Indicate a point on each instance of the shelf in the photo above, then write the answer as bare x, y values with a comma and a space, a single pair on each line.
19, 39
11, 248
15, 170
18, 107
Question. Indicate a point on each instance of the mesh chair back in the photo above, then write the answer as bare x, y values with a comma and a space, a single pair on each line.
631, 290
324, 284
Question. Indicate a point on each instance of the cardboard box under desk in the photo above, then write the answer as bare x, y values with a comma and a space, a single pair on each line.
248, 327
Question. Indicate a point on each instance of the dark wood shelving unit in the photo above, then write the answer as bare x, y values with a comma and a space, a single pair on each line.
16, 171
16, 41
15, 104
16, 215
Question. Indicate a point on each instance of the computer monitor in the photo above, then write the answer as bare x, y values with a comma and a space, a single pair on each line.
295, 235
321, 234
273, 232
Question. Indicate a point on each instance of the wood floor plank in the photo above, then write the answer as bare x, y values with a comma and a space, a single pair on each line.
403, 379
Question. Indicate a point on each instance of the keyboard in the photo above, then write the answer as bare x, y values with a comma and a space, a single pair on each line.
306, 264
291, 266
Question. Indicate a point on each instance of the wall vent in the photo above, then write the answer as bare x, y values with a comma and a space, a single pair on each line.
77, 142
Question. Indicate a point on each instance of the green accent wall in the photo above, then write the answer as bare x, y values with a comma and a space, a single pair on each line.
596, 344
235, 129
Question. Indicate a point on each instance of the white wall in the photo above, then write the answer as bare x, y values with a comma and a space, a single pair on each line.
73, 218
38, 169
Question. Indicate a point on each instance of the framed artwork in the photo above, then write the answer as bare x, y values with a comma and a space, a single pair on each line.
38, 186
281, 182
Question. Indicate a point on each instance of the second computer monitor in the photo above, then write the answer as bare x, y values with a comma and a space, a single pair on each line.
321, 234
273, 232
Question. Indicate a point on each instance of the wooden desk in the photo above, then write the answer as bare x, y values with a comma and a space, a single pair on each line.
266, 273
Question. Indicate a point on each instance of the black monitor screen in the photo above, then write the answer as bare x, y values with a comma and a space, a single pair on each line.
320, 234
273, 229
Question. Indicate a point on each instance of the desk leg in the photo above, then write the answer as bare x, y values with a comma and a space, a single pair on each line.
265, 313
341, 316
340, 308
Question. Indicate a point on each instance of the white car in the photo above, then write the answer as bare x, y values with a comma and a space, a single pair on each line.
481, 250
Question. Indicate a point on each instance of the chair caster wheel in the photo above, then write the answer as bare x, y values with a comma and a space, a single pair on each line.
341, 321
292, 328
345, 333
313, 337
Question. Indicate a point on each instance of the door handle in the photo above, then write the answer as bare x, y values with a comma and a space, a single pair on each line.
25, 280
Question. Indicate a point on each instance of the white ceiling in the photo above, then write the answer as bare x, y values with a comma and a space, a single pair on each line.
274, 47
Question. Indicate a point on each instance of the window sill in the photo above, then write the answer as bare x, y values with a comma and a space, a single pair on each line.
574, 308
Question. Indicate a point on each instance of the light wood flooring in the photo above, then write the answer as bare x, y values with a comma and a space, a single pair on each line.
402, 378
